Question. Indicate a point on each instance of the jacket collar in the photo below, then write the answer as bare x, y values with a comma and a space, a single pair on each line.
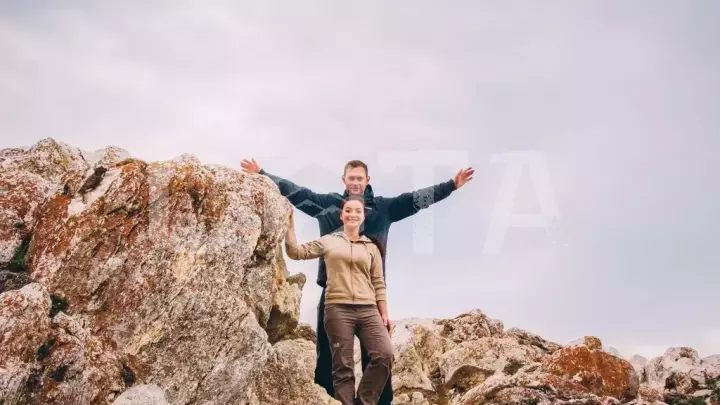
341, 234
369, 195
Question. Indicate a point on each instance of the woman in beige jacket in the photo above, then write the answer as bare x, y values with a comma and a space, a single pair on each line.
355, 303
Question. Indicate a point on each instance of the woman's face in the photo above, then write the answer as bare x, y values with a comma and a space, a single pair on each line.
353, 213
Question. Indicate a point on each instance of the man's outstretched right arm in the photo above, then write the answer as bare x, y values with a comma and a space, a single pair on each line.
304, 199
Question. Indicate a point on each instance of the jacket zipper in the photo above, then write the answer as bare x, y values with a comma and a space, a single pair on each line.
352, 286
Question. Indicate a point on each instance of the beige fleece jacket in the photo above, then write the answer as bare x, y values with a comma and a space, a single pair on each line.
355, 273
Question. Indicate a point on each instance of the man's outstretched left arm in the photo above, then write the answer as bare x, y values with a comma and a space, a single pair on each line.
407, 204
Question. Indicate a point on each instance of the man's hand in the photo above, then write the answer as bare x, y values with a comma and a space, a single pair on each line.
250, 166
463, 176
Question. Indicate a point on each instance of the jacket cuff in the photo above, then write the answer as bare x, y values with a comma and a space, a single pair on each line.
381, 296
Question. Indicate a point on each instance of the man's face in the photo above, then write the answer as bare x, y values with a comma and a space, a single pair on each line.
355, 180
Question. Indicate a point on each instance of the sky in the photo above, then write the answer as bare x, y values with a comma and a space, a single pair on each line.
595, 121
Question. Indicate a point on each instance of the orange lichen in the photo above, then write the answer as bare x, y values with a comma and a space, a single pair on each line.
599, 372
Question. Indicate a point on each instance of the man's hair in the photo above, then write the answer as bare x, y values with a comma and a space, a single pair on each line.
355, 163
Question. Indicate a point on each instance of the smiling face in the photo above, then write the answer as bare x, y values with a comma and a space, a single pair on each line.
356, 180
353, 213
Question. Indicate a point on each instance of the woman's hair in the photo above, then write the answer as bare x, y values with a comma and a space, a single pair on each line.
361, 199
353, 197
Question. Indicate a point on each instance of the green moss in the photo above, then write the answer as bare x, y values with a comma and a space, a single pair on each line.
512, 367
197, 199
677, 399
713, 385
34, 381
44, 350
59, 374
128, 375
18, 261
58, 304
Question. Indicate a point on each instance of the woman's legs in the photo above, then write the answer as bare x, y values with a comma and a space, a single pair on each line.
376, 339
340, 322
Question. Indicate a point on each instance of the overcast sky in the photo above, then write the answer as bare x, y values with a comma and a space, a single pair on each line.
620, 99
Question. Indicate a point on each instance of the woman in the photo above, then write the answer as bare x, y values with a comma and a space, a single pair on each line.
355, 303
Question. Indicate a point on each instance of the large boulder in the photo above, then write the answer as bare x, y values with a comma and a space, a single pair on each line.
162, 273
470, 363
675, 360
286, 378
600, 372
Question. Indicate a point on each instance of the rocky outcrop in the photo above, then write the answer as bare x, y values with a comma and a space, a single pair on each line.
163, 275
680, 376
472, 360
154, 283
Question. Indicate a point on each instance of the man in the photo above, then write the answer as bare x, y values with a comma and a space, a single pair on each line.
382, 212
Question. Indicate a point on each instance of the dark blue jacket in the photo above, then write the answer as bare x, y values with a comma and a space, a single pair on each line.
381, 212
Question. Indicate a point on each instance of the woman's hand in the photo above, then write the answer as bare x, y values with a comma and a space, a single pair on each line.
290, 234
389, 324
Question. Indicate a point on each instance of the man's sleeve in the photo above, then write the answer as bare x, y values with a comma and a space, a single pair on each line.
407, 204
304, 199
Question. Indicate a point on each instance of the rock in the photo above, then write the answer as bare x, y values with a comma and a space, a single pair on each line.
702, 393
418, 345
402, 399
638, 362
711, 366
285, 309
107, 157
593, 343
41, 362
529, 383
675, 360
514, 366
27, 179
526, 338
287, 377
681, 383
13, 281
142, 395
598, 371
472, 325
164, 273
303, 331
24, 331
522, 396
649, 394
470, 363
24, 322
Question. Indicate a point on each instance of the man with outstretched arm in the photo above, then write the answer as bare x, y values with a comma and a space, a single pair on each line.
382, 212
